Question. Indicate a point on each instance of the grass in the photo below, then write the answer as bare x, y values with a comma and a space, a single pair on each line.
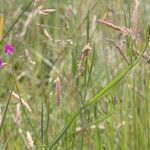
85, 80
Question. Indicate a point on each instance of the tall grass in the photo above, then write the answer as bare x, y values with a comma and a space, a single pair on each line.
101, 97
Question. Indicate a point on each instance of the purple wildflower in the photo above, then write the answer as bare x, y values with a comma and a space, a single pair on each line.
9, 49
1, 63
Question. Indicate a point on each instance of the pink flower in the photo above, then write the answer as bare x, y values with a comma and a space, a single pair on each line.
9, 49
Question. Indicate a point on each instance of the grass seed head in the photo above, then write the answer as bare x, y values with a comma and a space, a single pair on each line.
84, 54
30, 142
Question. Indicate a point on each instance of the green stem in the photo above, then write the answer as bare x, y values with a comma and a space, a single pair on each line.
102, 93
5, 111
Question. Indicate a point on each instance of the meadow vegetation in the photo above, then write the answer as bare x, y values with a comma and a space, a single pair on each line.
79, 75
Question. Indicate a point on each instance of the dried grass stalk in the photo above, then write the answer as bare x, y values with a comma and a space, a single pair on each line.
46, 11
57, 91
30, 142
25, 104
28, 20
123, 30
18, 114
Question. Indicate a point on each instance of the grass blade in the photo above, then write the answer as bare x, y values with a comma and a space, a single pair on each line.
102, 93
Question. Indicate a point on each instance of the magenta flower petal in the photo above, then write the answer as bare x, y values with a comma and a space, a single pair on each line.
9, 49
1, 63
